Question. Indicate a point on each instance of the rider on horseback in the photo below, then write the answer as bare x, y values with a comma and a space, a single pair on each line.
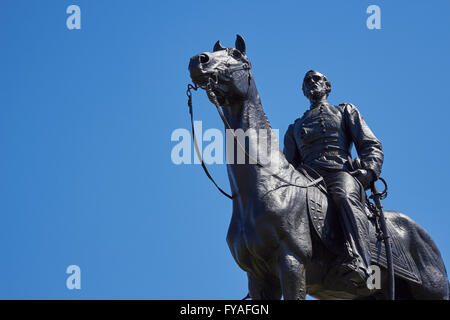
321, 139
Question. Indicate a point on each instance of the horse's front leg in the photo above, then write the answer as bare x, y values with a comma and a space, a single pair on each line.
292, 276
266, 289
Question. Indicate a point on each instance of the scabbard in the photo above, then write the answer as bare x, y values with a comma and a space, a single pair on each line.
386, 239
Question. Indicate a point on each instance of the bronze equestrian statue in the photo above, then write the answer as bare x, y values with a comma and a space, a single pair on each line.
286, 232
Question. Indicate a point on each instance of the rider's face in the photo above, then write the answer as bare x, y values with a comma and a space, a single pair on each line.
315, 86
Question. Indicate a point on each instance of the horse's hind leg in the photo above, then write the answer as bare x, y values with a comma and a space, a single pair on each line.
264, 289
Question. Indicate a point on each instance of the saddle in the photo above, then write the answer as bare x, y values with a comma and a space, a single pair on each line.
324, 218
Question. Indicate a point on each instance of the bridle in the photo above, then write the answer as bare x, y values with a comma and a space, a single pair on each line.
209, 87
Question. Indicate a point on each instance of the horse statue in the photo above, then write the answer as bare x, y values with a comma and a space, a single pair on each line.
282, 232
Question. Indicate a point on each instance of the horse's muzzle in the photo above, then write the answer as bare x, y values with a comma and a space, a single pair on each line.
198, 75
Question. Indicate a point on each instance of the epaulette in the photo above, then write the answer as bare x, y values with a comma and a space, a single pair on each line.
347, 104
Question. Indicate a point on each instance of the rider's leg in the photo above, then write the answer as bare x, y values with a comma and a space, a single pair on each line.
346, 193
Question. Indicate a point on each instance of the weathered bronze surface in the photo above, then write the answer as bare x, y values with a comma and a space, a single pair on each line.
280, 229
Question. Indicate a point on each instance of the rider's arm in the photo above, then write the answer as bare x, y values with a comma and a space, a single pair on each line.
367, 145
290, 147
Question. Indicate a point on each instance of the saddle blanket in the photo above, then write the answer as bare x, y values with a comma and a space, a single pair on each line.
324, 218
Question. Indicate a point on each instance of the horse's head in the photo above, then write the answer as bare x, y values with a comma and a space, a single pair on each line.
225, 71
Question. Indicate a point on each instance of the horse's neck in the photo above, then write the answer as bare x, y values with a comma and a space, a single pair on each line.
248, 114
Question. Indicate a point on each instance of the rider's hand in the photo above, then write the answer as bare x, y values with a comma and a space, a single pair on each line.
366, 177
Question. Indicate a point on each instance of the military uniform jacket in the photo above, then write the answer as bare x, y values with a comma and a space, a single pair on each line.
322, 138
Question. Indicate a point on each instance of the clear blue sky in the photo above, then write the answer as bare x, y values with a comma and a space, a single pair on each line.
86, 117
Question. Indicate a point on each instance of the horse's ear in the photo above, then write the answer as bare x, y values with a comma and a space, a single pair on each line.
240, 44
218, 46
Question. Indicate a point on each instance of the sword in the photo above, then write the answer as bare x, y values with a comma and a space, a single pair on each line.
377, 197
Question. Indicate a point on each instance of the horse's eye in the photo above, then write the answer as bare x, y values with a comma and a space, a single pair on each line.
236, 54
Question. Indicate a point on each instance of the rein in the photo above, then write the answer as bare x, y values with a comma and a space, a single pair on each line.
197, 150
213, 98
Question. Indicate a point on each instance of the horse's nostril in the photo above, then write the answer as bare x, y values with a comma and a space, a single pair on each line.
204, 58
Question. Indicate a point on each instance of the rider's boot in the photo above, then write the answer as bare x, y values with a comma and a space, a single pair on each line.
354, 272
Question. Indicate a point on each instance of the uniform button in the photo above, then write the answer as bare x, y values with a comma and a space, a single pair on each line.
324, 130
